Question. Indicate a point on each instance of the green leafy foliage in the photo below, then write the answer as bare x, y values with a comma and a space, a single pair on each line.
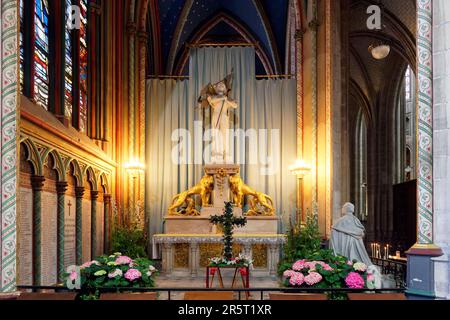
129, 240
303, 242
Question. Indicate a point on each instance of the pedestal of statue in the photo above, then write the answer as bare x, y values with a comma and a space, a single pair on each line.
221, 193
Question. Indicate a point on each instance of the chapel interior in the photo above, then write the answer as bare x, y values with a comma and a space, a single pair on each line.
92, 143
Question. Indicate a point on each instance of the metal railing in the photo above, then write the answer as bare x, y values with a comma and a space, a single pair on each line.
261, 291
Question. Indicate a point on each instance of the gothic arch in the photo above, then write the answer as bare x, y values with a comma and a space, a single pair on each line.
91, 178
77, 171
236, 25
105, 183
33, 156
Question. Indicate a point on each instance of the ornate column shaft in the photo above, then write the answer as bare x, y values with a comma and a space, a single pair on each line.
61, 188
420, 271
425, 126
313, 26
37, 183
94, 198
79, 192
106, 221
9, 87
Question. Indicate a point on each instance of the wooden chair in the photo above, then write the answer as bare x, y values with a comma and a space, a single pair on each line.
298, 296
128, 296
209, 295
47, 296
376, 296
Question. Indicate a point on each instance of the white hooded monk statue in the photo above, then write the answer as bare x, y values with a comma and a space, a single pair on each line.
347, 236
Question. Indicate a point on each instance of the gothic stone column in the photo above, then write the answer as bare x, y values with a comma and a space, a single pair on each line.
37, 183
441, 153
420, 279
79, 192
61, 188
94, 198
106, 221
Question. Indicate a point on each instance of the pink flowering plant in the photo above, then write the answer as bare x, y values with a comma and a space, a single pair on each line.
114, 271
307, 264
334, 272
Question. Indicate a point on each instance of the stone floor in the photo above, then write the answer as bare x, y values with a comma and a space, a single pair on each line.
174, 282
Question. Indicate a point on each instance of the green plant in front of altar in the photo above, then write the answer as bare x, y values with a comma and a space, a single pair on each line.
303, 241
130, 240
128, 237
114, 271
227, 221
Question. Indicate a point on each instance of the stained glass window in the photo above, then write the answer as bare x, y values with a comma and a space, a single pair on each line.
408, 84
22, 50
83, 66
68, 71
41, 53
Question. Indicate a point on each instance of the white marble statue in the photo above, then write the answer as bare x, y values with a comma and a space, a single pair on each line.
347, 236
216, 96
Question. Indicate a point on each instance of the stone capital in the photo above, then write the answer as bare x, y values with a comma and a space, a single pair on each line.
107, 198
94, 195
131, 28
79, 192
95, 8
61, 187
142, 36
37, 182
314, 25
299, 34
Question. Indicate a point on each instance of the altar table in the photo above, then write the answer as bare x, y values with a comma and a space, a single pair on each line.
187, 254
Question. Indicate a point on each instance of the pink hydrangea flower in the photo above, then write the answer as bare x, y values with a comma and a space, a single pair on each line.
123, 260
73, 276
297, 279
299, 265
132, 274
313, 264
288, 273
89, 263
312, 278
354, 281
350, 263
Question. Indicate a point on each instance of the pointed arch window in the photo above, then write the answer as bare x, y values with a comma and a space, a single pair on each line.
41, 53
68, 68
35, 50
76, 69
53, 73
83, 51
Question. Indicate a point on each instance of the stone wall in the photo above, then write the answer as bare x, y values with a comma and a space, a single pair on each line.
441, 56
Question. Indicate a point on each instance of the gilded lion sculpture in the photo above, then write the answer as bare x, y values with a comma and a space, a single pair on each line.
260, 204
203, 188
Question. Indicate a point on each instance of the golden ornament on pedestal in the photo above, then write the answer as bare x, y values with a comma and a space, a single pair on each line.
203, 188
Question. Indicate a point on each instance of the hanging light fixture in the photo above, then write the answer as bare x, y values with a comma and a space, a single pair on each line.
380, 51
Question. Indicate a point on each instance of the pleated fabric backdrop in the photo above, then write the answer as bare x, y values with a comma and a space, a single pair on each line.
265, 105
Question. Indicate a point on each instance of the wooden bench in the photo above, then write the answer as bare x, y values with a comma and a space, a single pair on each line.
128, 296
209, 295
298, 296
47, 296
376, 296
